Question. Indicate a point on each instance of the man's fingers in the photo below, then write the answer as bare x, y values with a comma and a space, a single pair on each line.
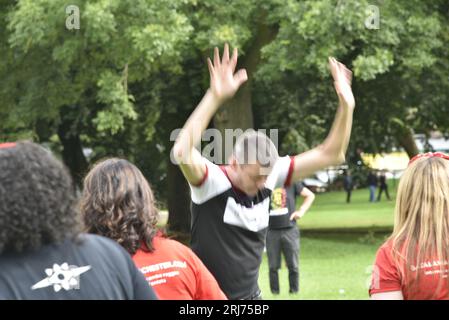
333, 67
233, 62
345, 72
210, 66
216, 58
342, 81
339, 71
225, 54
240, 77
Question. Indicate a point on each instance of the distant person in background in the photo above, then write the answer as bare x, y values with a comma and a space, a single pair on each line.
372, 185
348, 185
383, 186
412, 263
283, 233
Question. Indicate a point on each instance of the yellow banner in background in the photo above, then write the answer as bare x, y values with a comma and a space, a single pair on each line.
395, 161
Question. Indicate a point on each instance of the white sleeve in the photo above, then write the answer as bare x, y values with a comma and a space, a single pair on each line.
281, 174
214, 183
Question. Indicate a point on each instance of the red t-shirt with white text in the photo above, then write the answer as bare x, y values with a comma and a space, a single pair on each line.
176, 273
428, 281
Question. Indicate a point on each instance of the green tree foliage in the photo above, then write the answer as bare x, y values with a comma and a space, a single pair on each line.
134, 71
397, 68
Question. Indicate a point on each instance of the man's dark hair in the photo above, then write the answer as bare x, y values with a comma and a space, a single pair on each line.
37, 198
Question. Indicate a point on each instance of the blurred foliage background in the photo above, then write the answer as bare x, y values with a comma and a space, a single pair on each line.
135, 70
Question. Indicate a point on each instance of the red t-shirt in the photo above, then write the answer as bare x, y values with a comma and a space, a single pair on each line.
176, 273
388, 276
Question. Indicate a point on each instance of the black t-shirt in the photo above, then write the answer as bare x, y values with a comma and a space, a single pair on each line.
347, 183
229, 228
383, 181
282, 205
90, 267
372, 180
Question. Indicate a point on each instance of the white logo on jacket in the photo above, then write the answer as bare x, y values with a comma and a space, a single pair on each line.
62, 277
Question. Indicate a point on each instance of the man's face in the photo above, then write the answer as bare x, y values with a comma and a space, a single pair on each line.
250, 178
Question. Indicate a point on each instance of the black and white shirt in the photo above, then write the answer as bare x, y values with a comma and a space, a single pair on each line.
229, 227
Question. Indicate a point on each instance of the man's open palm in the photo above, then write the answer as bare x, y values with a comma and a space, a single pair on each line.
224, 83
342, 82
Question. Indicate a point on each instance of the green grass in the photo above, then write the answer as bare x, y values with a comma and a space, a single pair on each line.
331, 212
329, 263
338, 246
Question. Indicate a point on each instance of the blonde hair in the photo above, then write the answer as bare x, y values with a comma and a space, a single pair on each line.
421, 222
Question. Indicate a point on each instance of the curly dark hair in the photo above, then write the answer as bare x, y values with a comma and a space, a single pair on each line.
118, 203
37, 198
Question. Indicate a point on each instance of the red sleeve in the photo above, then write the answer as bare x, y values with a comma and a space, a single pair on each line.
288, 180
207, 287
385, 276
6, 145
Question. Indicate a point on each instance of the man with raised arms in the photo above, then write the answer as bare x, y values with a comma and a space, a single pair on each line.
230, 204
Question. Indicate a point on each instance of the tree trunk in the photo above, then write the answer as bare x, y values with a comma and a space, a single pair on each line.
72, 152
178, 201
237, 113
405, 138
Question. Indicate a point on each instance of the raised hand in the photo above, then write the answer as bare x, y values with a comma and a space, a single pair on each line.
342, 82
224, 83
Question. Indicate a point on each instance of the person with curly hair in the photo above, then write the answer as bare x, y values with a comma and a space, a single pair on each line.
118, 203
43, 253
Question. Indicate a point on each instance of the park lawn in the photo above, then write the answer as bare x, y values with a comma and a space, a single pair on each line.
332, 266
331, 212
338, 246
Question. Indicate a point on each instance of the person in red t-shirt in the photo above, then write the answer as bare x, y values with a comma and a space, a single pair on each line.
118, 203
413, 263
176, 273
